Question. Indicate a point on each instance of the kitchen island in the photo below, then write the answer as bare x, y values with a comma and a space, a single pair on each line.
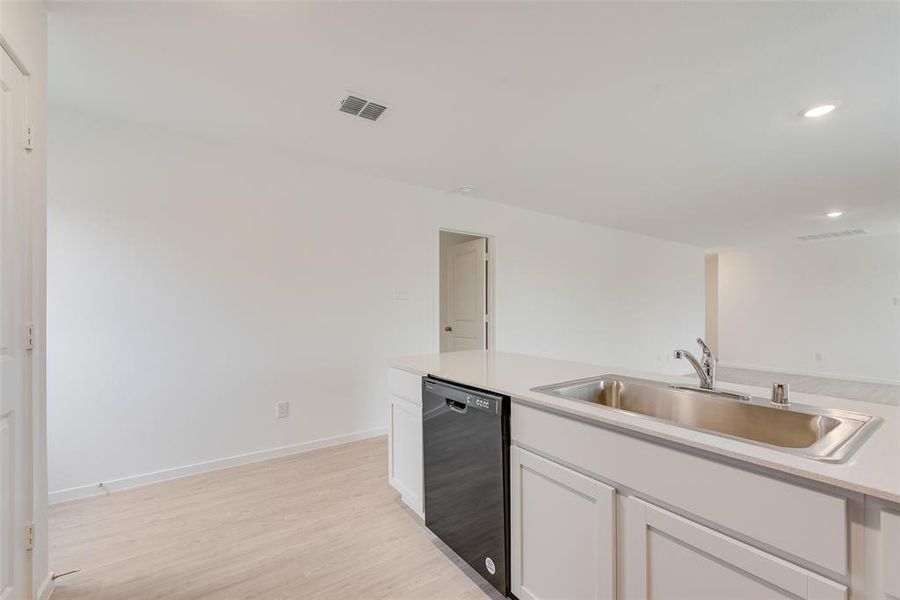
606, 503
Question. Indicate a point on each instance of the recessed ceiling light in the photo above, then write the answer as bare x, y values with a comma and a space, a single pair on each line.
465, 189
834, 214
819, 111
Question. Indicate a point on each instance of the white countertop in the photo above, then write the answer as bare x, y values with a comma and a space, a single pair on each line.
874, 469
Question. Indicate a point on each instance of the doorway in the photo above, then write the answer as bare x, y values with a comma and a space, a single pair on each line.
466, 275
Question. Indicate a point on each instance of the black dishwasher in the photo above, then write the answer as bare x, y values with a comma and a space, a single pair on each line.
465, 436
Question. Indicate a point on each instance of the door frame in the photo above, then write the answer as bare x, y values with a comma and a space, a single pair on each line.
20, 423
491, 340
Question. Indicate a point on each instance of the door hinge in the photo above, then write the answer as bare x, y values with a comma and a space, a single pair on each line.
29, 336
28, 139
29, 537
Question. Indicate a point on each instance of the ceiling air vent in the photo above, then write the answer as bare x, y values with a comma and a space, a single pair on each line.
372, 111
352, 105
831, 235
360, 107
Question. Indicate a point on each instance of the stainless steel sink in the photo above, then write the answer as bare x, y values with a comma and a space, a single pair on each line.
809, 431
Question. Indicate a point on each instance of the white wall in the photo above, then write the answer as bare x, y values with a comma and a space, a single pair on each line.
192, 285
779, 306
23, 26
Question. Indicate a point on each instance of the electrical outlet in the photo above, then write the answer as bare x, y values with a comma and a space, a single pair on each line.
282, 409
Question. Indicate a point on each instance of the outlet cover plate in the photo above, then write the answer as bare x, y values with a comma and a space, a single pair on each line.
282, 409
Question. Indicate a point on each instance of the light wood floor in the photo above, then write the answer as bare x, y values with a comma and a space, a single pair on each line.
323, 524
881, 393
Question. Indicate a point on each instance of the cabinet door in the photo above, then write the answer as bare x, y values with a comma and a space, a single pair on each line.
890, 553
405, 448
668, 557
562, 532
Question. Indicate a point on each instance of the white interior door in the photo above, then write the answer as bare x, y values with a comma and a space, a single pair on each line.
15, 359
465, 296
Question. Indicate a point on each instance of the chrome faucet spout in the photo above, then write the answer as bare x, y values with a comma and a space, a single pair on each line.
705, 366
701, 373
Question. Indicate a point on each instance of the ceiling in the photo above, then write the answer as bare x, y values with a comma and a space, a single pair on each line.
676, 120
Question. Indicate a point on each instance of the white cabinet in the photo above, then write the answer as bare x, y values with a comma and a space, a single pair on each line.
890, 553
669, 557
807, 523
405, 437
563, 542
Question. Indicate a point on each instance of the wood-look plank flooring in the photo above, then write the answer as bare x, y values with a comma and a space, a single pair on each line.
880, 393
322, 524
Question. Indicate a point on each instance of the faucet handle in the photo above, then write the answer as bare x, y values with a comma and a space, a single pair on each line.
703, 345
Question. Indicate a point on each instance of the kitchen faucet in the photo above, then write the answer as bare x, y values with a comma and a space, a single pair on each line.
705, 367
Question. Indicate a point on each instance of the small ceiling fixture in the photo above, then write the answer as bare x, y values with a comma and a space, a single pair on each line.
834, 214
466, 189
819, 111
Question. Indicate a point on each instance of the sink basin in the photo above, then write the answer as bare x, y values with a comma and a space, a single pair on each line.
812, 432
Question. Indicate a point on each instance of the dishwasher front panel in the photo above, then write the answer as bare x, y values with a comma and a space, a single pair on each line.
466, 463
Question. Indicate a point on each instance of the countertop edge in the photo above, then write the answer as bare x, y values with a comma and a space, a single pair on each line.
715, 450
673, 439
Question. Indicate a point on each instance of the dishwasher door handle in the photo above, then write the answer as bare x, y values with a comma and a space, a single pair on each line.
455, 406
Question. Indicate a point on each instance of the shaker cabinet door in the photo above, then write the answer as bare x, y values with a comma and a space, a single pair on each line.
405, 451
668, 557
563, 542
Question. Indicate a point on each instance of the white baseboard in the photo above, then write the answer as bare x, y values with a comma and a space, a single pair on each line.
46, 589
132, 481
810, 373
410, 498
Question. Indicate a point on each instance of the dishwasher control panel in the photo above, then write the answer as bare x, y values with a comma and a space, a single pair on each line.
486, 402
